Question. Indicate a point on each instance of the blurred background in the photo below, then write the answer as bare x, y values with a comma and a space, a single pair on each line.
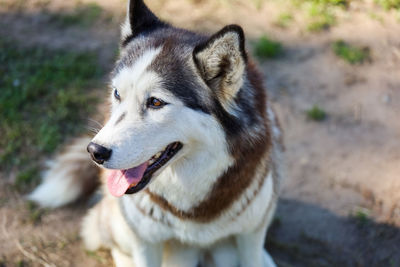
332, 70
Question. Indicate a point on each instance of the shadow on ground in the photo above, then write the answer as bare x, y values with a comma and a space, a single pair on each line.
307, 235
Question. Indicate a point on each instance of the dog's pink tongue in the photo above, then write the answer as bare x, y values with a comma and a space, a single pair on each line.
118, 181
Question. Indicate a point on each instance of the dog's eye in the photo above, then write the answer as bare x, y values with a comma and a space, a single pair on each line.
116, 95
155, 103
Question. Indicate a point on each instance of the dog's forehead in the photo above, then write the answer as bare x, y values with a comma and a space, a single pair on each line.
136, 74
171, 61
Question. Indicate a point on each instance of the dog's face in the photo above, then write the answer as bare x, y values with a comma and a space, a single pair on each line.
166, 91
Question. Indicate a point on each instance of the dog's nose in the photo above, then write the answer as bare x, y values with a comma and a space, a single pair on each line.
98, 153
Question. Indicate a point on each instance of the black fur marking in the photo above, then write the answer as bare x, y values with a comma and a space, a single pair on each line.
120, 118
141, 20
177, 76
232, 125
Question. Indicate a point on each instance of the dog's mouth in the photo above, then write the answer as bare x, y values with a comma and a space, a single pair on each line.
133, 180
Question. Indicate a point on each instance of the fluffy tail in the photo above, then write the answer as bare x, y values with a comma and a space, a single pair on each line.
70, 175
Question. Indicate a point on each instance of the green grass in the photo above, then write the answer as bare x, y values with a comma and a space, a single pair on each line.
267, 48
284, 20
321, 17
44, 97
321, 23
321, 13
22, 263
349, 53
96, 255
27, 177
360, 216
316, 113
35, 213
376, 17
83, 15
389, 4
342, 3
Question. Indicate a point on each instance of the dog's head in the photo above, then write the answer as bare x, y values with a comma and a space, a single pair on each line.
174, 99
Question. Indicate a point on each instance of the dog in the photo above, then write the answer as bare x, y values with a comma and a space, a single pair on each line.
190, 157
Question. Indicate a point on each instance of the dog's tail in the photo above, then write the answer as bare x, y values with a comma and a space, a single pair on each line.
71, 175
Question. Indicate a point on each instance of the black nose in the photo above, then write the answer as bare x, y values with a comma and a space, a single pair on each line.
98, 153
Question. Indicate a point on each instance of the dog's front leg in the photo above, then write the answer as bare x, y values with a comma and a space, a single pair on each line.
121, 259
147, 254
251, 250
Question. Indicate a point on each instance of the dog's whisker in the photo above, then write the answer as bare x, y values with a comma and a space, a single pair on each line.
96, 122
93, 129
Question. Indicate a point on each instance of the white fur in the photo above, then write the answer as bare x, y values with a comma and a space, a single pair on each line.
268, 261
135, 84
56, 191
250, 235
59, 184
121, 259
196, 233
126, 28
224, 254
91, 229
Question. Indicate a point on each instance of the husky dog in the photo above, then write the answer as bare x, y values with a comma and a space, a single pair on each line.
190, 155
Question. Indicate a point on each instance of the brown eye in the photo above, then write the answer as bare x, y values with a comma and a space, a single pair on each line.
155, 103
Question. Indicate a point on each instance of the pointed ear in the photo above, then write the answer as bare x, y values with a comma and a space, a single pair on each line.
139, 19
221, 61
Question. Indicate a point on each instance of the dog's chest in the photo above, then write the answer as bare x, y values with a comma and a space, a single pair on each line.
155, 224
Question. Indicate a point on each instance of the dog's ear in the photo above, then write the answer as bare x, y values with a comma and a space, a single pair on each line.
139, 20
221, 61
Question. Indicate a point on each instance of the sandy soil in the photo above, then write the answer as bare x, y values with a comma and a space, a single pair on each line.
348, 164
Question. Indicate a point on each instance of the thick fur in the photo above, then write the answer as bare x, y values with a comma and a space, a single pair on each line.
63, 182
212, 203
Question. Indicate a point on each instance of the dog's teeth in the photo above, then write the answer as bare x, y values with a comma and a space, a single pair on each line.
151, 161
158, 155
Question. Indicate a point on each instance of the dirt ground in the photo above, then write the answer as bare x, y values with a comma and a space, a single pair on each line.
340, 200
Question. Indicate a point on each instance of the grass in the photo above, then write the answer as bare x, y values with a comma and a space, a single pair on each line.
83, 15
376, 17
316, 113
44, 97
35, 213
22, 263
349, 53
389, 4
96, 255
342, 3
360, 216
284, 20
321, 13
267, 48
322, 17
27, 177
321, 23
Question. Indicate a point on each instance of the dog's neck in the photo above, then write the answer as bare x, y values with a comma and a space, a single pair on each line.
189, 180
